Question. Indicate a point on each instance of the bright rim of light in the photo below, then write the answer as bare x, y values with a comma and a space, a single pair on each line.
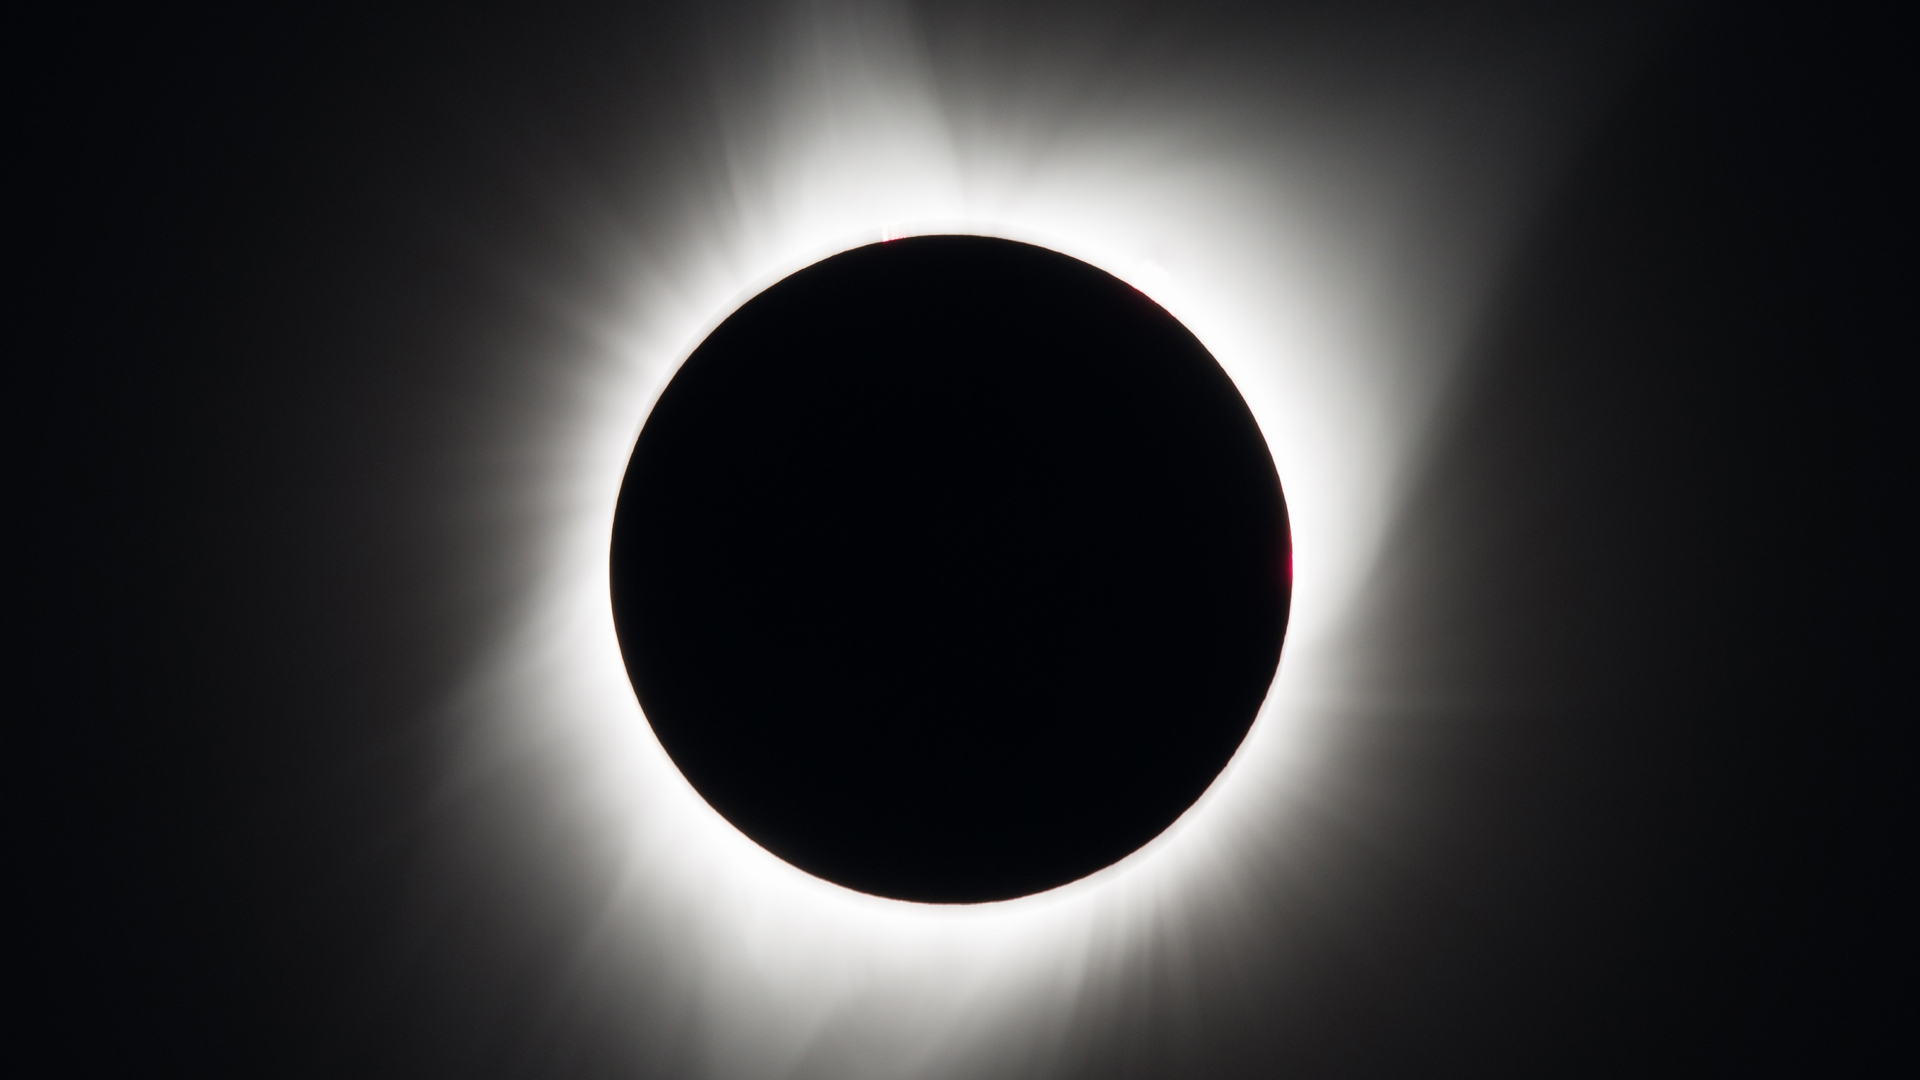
1278, 252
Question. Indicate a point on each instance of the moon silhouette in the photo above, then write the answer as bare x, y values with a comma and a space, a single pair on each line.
951, 569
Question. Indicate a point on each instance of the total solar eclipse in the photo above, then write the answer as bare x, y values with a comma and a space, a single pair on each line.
951, 569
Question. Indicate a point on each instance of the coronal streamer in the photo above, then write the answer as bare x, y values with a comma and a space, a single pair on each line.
1329, 242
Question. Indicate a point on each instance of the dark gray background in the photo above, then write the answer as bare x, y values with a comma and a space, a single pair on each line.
259, 263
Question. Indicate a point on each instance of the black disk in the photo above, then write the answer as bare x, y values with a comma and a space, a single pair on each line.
951, 569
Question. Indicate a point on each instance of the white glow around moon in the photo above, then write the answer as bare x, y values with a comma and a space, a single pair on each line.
1331, 245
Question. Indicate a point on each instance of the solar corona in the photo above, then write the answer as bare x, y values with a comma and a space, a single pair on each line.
906, 624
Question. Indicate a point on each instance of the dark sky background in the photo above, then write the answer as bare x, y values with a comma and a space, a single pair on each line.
1652, 582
